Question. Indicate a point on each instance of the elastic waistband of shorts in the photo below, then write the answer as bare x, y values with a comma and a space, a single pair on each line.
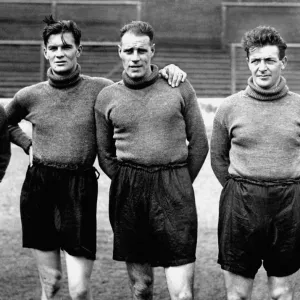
62, 166
151, 168
262, 182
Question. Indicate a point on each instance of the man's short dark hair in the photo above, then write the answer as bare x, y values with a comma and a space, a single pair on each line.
60, 26
138, 28
263, 36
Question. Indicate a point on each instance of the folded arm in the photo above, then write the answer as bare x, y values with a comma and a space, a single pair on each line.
196, 132
220, 146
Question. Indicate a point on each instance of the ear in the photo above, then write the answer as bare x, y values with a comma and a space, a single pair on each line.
284, 63
45, 52
247, 60
119, 50
79, 50
152, 50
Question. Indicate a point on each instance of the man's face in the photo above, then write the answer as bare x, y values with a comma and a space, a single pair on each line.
136, 52
62, 56
265, 66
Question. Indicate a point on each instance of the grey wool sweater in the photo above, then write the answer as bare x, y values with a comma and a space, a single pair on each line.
148, 122
4, 143
61, 111
256, 134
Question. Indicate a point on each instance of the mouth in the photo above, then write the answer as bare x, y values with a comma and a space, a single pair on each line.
60, 62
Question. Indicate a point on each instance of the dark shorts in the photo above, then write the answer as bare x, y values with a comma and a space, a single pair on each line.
58, 210
259, 222
153, 215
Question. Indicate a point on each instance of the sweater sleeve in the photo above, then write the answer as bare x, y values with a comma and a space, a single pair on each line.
15, 114
219, 148
195, 131
104, 134
5, 151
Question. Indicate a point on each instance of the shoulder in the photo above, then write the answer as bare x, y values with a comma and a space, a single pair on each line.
100, 81
107, 94
294, 95
30, 91
2, 112
232, 100
230, 104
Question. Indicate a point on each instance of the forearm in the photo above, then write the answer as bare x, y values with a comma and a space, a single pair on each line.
196, 160
5, 154
19, 137
105, 143
220, 147
15, 114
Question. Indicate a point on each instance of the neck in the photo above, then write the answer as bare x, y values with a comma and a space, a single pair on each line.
64, 80
274, 93
141, 83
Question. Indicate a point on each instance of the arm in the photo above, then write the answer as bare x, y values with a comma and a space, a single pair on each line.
4, 144
196, 132
173, 74
220, 146
15, 113
105, 141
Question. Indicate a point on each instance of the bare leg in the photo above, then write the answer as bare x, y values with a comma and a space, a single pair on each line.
140, 281
180, 281
79, 273
282, 288
49, 267
238, 287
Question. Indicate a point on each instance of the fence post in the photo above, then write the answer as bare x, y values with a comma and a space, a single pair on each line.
233, 67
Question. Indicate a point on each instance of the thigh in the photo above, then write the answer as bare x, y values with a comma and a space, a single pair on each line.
237, 287
180, 280
282, 287
78, 213
240, 236
79, 271
173, 219
37, 207
49, 267
48, 259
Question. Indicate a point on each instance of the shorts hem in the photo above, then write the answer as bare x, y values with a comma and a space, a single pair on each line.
78, 252
164, 264
283, 274
238, 271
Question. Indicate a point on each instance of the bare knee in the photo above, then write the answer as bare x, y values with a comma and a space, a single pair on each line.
142, 288
51, 281
183, 295
235, 295
282, 293
80, 292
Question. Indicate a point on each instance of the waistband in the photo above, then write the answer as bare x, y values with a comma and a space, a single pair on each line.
262, 182
65, 167
151, 168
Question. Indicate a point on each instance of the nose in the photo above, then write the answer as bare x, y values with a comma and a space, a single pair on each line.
59, 52
262, 66
135, 56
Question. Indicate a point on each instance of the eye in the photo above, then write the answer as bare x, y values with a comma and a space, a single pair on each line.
67, 46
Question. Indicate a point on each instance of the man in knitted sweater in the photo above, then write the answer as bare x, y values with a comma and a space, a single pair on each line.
255, 148
142, 126
4, 143
59, 195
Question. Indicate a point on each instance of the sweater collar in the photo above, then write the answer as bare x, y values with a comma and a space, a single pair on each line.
63, 81
266, 95
144, 82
